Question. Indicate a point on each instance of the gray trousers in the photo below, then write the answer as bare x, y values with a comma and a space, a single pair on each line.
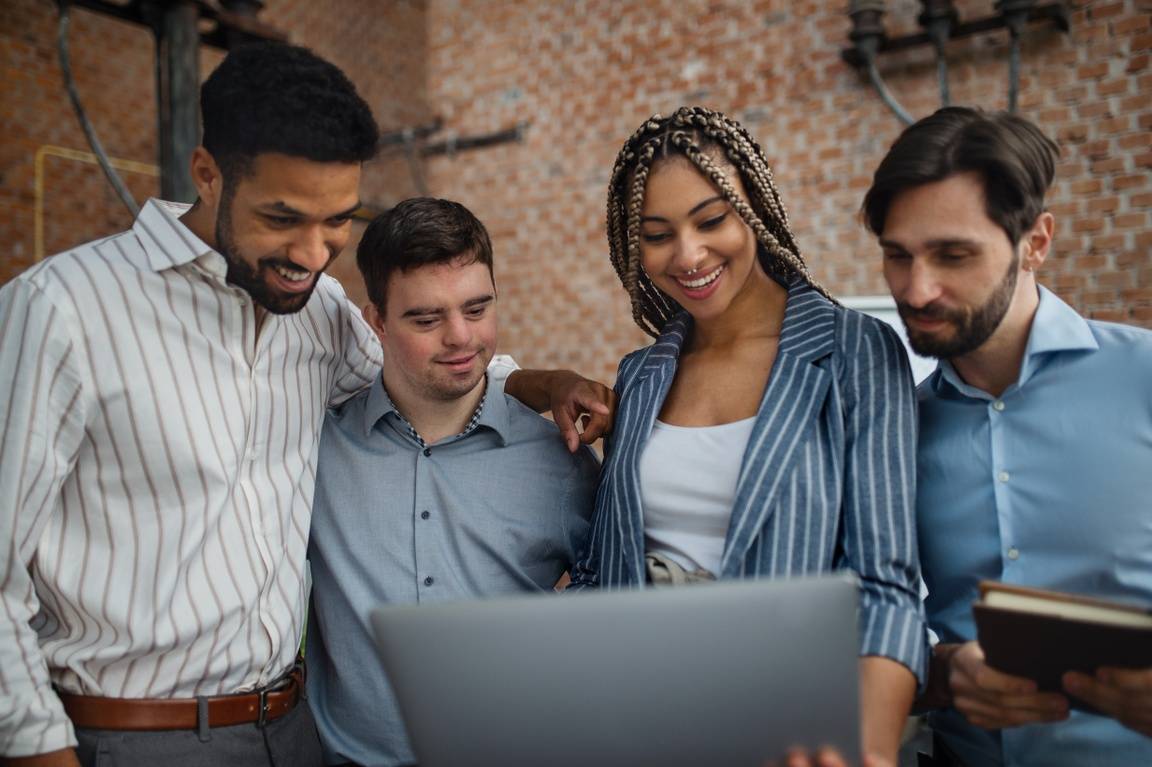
290, 741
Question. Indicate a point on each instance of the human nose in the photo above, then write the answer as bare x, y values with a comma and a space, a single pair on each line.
690, 252
457, 331
921, 286
310, 249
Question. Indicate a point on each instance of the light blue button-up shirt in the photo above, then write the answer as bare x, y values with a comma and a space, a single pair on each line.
501, 508
1048, 485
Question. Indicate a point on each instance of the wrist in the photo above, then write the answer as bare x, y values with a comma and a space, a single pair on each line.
939, 691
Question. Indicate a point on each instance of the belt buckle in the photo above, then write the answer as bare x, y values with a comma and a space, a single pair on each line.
262, 703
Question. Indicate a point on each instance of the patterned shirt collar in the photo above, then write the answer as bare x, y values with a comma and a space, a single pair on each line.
386, 406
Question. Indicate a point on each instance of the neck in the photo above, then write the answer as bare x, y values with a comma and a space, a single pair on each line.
995, 364
757, 312
433, 419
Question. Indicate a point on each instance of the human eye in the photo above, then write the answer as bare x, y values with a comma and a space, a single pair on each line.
953, 257
714, 221
341, 220
476, 312
895, 255
280, 221
654, 237
425, 323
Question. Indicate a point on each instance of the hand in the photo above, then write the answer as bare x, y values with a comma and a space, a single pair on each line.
991, 699
65, 757
824, 757
1123, 694
583, 409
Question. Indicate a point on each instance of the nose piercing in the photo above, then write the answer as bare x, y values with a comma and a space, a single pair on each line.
693, 270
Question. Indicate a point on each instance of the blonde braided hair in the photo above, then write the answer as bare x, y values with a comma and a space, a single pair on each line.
703, 137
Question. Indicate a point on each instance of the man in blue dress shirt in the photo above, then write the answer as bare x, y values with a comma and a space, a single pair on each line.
1035, 454
432, 485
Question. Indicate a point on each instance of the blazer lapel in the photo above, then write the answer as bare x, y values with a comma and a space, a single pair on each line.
641, 398
789, 409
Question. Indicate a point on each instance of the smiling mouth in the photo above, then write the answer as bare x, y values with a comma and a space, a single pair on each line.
701, 282
459, 361
291, 275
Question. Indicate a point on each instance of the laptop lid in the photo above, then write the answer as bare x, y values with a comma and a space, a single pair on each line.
731, 673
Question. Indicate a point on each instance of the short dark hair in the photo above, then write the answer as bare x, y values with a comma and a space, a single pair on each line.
1013, 157
275, 97
418, 232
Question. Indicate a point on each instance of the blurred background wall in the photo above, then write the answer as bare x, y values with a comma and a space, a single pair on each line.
582, 75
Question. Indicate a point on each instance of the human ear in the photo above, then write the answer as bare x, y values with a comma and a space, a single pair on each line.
206, 177
375, 320
1038, 241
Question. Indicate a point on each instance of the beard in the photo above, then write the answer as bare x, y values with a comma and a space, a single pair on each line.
252, 279
972, 326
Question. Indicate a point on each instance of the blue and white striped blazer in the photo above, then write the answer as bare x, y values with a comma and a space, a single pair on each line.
827, 481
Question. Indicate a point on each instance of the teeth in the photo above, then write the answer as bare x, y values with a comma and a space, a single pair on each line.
292, 275
707, 279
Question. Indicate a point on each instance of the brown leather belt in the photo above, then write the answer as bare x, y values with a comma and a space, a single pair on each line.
183, 713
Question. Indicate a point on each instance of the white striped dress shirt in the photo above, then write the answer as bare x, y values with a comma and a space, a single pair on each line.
157, 466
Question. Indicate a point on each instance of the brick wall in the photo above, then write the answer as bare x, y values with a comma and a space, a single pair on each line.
584, 73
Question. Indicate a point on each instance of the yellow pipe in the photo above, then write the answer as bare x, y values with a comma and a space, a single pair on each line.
48, 150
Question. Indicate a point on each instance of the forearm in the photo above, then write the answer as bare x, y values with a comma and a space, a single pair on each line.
533, 387
886, 692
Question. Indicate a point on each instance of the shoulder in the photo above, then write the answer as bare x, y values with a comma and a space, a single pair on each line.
58, 276
1115, 335
532, 431
347, 415
1127, 347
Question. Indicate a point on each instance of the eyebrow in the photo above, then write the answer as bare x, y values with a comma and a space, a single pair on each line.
946, 242
282, 207
698, 207
426, 311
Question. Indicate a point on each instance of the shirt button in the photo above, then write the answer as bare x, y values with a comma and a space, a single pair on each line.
427, 451
424, 514
429, 581
1003, 476
1013, 552
998, 405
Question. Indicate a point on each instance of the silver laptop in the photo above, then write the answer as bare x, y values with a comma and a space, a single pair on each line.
714, 674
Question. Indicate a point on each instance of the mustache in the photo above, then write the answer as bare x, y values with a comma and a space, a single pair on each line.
930, 312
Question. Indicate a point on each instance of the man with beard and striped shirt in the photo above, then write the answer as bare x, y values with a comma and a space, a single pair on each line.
163, 393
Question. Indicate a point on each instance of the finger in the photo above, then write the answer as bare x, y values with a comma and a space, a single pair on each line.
596, 427
567, 428
969, 671
829, 757
1137, 680
1117, 702
995, 715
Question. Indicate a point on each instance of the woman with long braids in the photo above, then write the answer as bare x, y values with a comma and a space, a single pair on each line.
768, 432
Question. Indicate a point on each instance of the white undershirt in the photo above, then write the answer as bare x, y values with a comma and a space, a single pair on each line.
688, 480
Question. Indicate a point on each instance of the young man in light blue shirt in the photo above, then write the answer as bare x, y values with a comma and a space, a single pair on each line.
1035, 454
432, 485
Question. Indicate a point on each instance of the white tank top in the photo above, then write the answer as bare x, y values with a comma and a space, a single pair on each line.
687, 485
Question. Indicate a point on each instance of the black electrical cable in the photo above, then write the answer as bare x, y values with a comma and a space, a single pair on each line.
89, 132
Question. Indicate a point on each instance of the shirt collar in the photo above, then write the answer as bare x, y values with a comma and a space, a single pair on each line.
1056, 327
492, 412
169, 243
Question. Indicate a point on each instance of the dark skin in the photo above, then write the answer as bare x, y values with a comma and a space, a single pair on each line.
297, 212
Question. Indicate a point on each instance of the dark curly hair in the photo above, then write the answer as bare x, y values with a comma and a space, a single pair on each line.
708, 140
275, 97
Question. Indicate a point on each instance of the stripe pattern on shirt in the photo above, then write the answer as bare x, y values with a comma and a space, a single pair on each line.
157, 466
